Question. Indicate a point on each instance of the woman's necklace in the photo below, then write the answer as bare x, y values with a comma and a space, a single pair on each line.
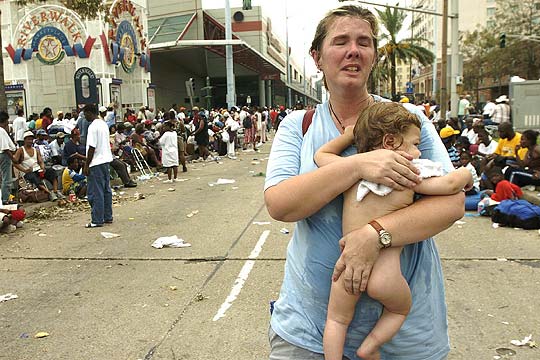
335, 115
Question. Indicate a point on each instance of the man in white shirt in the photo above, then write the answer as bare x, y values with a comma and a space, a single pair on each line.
7, 147
488, 111
19, 127
96, 168
57, 148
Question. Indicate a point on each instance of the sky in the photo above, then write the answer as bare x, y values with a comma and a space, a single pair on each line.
303, 17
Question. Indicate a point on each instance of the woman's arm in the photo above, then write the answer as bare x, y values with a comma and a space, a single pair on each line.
303, 195
408, 225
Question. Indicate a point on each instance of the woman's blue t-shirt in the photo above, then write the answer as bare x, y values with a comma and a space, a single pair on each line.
300, 312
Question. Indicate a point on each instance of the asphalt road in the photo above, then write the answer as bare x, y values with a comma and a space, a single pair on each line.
120, 298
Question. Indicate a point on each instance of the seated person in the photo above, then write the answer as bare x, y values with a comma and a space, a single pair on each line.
504, 189
74, 148
448, 136
466, 159
72, 181
11, 219
57, 148
526, 171
506, 151
28, 160
42, 144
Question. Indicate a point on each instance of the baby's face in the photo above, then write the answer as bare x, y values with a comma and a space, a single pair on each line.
411, 140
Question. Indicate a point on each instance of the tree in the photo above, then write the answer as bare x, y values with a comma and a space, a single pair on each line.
87, 9
406, 50
520, 18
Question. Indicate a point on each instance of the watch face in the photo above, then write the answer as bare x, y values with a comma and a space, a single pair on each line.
386, 238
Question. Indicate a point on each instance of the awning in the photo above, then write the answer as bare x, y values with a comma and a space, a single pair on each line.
243, 54
169, 29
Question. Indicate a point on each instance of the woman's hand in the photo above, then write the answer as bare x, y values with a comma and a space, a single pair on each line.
360, 250
391, 168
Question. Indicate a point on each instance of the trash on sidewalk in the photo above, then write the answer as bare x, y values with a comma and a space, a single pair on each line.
171, 189
173, 288
459, 222
41, 334
505, 352
169, 241
284, 231
139, 196
194, 212
255, 162
200, 297
109, 235
261, 223
221, 181
259, 174
526, 341
8, 296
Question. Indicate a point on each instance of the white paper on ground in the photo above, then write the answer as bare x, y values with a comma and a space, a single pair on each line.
170, 241
8, 296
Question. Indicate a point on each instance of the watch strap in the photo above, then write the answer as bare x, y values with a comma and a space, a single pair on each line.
380, 230
375, 224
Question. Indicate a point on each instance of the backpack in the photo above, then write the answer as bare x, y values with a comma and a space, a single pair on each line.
247, 122
517, 213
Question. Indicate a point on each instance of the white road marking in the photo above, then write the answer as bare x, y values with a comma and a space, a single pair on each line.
242, 277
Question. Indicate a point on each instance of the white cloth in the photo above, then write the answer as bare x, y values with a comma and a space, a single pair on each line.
169, 146
427, 169
471, 135
475, 178
19, 127
232, 124
30, 162
98, 138
489, 108
56, 150
5, 141
487, 150
70, 125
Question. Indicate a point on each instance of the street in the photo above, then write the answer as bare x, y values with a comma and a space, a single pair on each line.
120, 298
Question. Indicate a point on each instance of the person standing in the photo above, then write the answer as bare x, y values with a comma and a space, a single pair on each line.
169, 149
96, 168
19, 127
501, 114
7, 147
345, 50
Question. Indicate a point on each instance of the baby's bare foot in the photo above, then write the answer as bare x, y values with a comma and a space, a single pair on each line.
369, 350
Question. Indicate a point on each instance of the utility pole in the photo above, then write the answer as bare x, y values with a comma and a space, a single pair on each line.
231, 91
289, 94
3, 98
444, 55
454, 97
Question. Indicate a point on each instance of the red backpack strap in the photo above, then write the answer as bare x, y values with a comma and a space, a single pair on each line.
306, 122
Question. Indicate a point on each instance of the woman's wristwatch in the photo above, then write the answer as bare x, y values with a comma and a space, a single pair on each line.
385, 238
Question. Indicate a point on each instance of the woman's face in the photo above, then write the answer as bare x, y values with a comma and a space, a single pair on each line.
28, 141
347, 53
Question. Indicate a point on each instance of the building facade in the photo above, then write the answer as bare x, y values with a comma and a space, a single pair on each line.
473, 15
54, 58
189, 68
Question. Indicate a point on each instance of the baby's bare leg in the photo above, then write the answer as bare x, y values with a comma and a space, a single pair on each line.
387, 285
340, 313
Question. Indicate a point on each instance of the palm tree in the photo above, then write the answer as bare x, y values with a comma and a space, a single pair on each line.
393, 50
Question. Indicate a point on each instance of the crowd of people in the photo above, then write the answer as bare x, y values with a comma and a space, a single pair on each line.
46, 155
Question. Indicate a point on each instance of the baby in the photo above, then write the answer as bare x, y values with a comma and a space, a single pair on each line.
390, 126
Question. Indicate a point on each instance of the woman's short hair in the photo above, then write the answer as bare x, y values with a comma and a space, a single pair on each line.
346, 10
380, 119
